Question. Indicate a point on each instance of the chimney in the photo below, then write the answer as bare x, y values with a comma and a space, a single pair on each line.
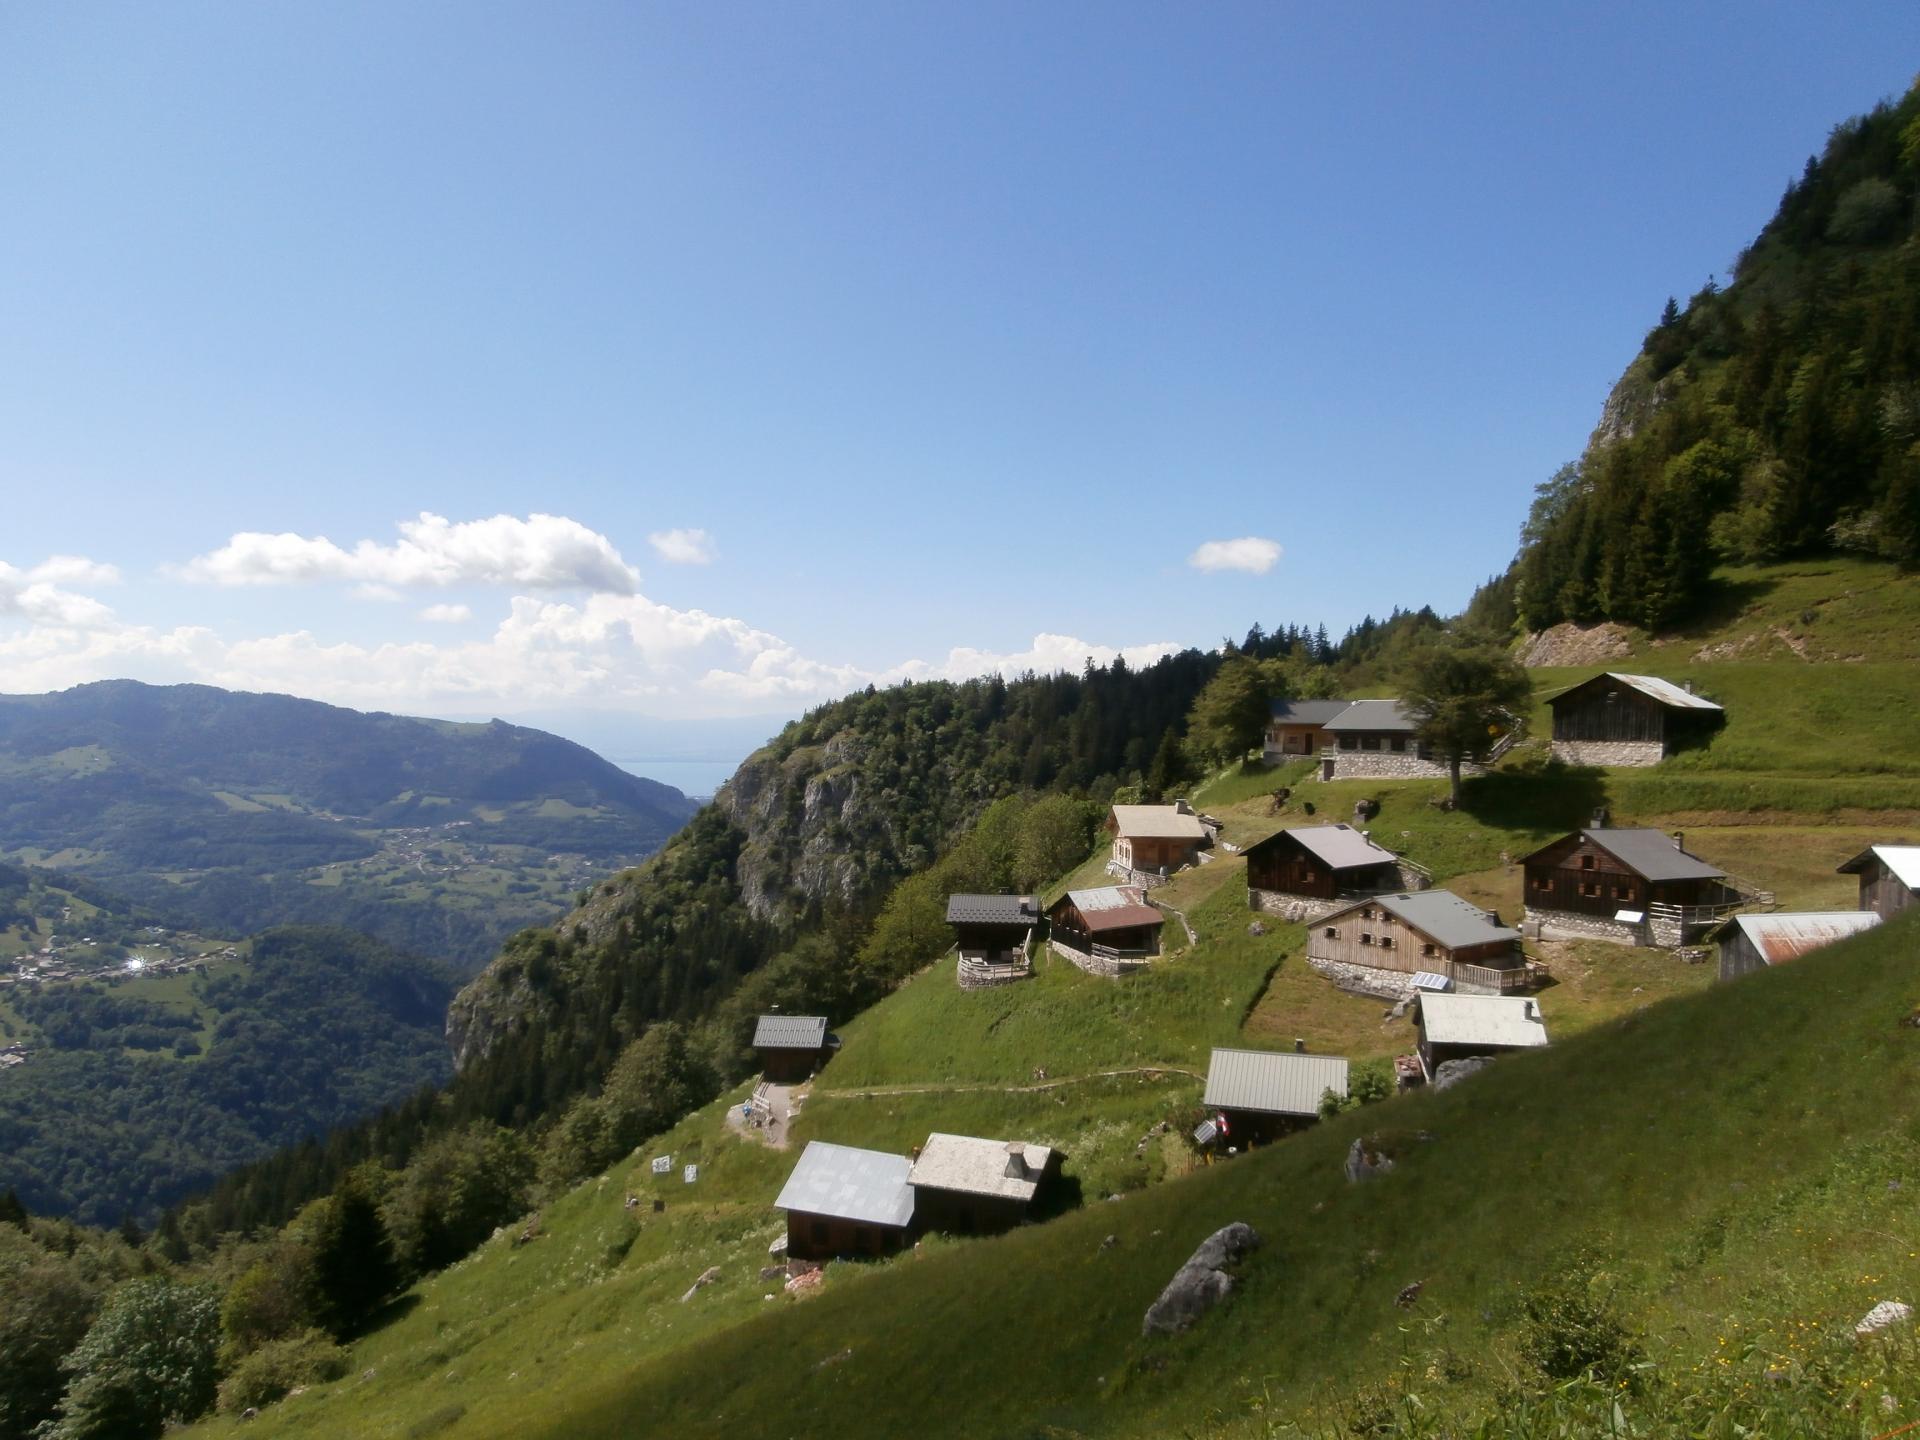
1689, 687
1529, 1009
1182, 807
1299, 1045
1016, 1160
1679, 839
1601, 817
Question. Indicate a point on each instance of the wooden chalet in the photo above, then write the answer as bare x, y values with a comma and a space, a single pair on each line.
1317, 865
1150, 842
791, 1047
1633, 887
1461, 1027
992, 933
1297, 729
1108, 930
965, 1185
843, 1201
1260, 1095
1383, 942
1754, 942
1616, 719
1889, 878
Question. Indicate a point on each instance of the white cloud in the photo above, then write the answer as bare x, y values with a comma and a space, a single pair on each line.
1250, 553
1048, 654
541, 552
39, 595
683, 547
447, 614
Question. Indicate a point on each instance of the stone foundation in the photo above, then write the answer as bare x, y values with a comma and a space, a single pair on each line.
1104, 966
1365, 979
1295, 909
1567, 925
1388, 765
1609, 752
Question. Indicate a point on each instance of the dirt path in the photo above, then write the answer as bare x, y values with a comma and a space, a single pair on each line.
882, 1091
780, 1107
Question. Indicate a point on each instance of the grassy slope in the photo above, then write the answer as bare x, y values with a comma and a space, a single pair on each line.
1701, 1139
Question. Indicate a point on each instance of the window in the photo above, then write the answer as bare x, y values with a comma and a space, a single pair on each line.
1366, 938
1386, 942
1427, 951
1347, 742
1399, 742
1586, 862
1332, 933
1370, 742
1590, 888
1621, 892
1542, 882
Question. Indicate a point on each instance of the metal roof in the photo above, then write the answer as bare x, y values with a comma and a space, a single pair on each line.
1652, 686
1307, 712
1114, 907
979, 1167
1902, 860
1158, 822
790, 1032
1653, 855
866, 1186
992, 910
1784, 936
1510, 1022
1440, 915
1341, 847
1278, 1082
1374, 715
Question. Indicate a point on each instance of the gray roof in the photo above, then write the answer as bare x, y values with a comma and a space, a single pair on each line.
868, 1187
979, 1167
790, 1032
1440, 915
1307, 712
1653, 687
1507, 1022
1653, 854
992, 910
1278, 1082
1340, 847
1374, 715
1157, 822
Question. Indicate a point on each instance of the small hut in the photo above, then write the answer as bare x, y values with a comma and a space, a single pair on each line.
1105, 931
1314, 866
1461, 1027
970, 1186
1753, 942
1264, 1094
1889, 878
844, 1201
1616, 719
1630, 886
791, 1047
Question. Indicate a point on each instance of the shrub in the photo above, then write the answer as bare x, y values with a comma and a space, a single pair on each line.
1570, 1326
269, 1373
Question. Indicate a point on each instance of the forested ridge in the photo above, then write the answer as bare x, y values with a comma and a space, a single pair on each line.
1773, 417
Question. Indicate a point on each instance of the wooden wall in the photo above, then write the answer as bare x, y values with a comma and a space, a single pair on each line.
1372, 935
822, 1237
1882, 892
1616, 712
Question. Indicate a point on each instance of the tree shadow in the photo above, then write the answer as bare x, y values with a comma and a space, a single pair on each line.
1553, 797
1721, 602
397, 1308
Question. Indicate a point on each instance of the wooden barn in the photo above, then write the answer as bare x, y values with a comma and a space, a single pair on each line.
964, 1185
992, 933
1297, 729
1258, 1095
843, 1201
791, 1047
1753, 942
1150, 842
1889, 878
1381, 942
1633, 887
1317, 863
1106, 930
1617, 719
1460, 1027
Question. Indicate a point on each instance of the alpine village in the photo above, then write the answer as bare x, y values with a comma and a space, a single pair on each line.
1504, 1024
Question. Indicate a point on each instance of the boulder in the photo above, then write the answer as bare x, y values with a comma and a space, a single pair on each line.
1201, 1283
1256, 928
1882, 1317
1452, 1072
707, 1277
1364, 1163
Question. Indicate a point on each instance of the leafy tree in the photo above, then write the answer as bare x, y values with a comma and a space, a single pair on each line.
45, 1308
1055, 835
1230, 715
276, 1295
308, 1358
1464, 697
12, 1212
1168, 770
149, 1358
458, 1190
353, 1264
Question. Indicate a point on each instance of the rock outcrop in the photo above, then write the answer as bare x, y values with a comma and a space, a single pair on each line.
1201, 1283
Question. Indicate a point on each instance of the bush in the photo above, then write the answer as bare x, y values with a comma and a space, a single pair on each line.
269, 1373
1570, 1326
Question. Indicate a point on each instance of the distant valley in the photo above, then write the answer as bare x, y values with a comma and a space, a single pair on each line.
232, 812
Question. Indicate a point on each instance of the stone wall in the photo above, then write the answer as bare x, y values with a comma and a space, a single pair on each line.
1567, 925
1104, 966
1608, 752
1365, 979
1390, 765
1296, 909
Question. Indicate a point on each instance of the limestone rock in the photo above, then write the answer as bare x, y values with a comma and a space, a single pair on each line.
707, 1277
1201, 1283
1884, 1316
1452, 1072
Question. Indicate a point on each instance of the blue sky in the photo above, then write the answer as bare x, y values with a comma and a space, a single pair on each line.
924, 339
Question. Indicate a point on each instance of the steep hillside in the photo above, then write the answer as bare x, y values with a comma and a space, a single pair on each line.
1777, 417
238, 811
